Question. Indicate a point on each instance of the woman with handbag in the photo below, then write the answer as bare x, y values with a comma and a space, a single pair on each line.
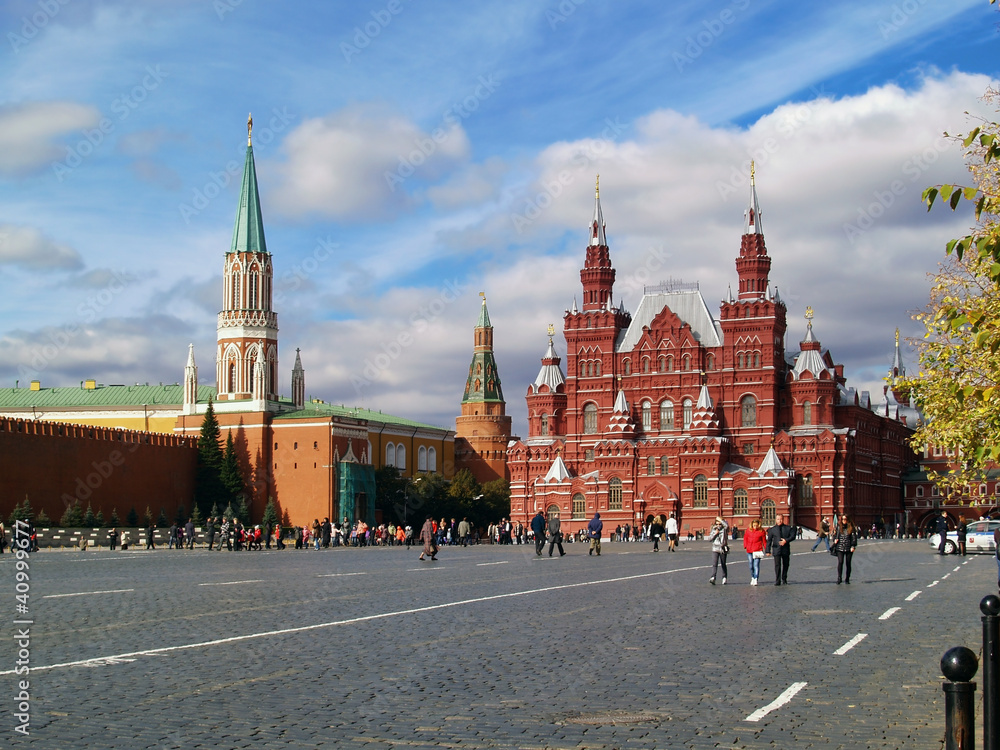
753, 542
845, 542
718, 536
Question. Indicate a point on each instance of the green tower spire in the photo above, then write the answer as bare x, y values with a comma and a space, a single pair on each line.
248, 234
483, 384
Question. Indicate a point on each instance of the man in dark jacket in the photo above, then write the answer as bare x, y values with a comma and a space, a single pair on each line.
779, 546
594, 530
941, 527
189, 533
538, 530
555, 535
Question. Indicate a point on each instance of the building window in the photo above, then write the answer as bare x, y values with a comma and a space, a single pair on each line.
421, 458
400, 456
614, 494
806, 490
664, 465
597, 368
390, 455
700, 491
768, 517
807, 413
756, 359
710, 362
552, 511
432, 459
688, 406
650, 466
627, 367
295, 446
670, 364
934, 491
686, 363
232, 378
647, 416
590, 419
920, 491
588, 455
740, 505
661, 364
252, 302
579, 507
748, 411
315, 445
545, 425
666, 416
748, 449
645, 364
739, 361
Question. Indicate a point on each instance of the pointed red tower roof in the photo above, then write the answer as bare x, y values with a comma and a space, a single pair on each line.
754, 264
597, 274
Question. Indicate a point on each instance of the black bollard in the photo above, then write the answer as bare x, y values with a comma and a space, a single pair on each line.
990, 607
959, 666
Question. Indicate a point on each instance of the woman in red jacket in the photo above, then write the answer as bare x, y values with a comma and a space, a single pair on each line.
753, 543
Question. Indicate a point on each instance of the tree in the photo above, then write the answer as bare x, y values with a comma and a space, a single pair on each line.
132, 517
72, 517
114, 521
391, 493
147, 517
243, 512
958, 388
230, 474
89, 519
21, 512
196, 518
209, 488
42, 520
161, 520
99, 518
271, 515
496, 500
180, 516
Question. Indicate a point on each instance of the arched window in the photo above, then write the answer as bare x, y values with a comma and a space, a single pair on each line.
627, 367
552, 511
432, 459
756, 359
664, 465
647, 416
390, 455
748, 411
666, 415
670, 364
645, 364
590, 419
768, 517
710, 362
614, 493
807, 412
740, 505
232, 377
650, 466
661, 364
400, 456
806, 490
686, 363
700, 491
597, 368
920, 491
579, 506
544, 430
688, 406
236, 293
586, 369
252, 301
421, 458
739, 361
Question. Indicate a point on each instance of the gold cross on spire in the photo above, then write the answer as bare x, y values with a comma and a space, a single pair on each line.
809, 313
753, 172
897, 337
551, 330
249, 127
597, 187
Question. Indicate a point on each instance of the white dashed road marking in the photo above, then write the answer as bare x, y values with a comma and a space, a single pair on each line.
850, 644
889, 613
231, 583
778, 702
88, 593
913, 596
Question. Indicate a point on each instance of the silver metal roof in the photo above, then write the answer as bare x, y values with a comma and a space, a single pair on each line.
686, 303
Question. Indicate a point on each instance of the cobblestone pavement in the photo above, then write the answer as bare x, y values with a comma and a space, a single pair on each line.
490, 647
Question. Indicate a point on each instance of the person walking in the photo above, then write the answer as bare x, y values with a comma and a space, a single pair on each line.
845, 542
427, 537
779, 546
538, 531
656, 531
554, 527
963, 532
753, 542
671, 534
594, 530
189, 533
823, 535
210, 532
718, 535
149, 537
464, 529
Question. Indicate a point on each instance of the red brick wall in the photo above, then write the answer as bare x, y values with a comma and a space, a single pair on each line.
55, 464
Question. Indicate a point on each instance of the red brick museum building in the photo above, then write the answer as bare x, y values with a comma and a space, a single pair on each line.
672, 410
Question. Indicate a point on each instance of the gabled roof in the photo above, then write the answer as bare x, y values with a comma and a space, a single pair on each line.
557, 472
100, 396
771, 464
686, 304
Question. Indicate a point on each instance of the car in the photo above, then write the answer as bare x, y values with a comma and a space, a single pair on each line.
979, 538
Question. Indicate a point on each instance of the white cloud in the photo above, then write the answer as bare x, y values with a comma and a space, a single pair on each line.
28, 133
355, 163
27, 248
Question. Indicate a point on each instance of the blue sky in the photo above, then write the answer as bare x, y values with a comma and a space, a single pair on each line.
411, 154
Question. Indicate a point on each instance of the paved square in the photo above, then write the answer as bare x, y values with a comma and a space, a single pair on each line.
491, 647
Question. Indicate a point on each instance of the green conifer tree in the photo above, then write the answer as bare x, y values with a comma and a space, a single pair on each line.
42, 521
230, 473
132, 517
114, 521
89, 519
99, 518
209, 488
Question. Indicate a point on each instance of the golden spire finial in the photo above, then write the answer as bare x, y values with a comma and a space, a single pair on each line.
597, 187
551, 330
483, 297
249, 127
809, 314
753, 172
897, 337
